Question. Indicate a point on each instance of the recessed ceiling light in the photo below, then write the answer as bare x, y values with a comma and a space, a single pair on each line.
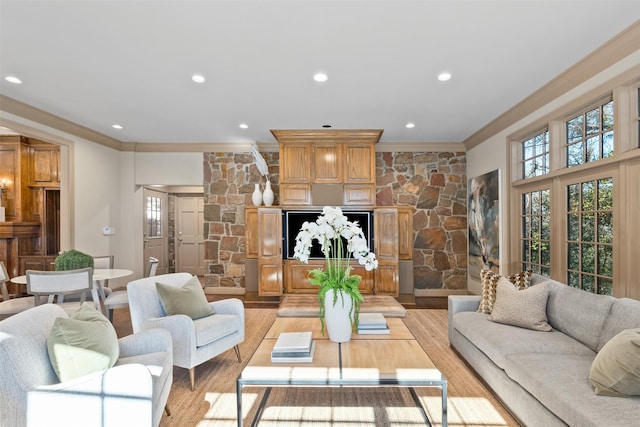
243, 126
198, 78
116, 126
410, 125
443, 77
320, 77
13, 79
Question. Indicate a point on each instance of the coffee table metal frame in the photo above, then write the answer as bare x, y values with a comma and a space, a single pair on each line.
338, 374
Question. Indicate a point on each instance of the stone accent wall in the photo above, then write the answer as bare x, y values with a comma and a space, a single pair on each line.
229, 180
435, 185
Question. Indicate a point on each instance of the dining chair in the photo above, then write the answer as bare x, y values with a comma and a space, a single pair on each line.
103, 262
52, 286
120, 298
10, 306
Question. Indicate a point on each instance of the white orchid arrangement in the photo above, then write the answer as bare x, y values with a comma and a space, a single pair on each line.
328, 230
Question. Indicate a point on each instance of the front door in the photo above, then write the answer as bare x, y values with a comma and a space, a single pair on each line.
155, 229
190, 241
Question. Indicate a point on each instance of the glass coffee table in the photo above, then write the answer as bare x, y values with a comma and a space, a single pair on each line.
395, 359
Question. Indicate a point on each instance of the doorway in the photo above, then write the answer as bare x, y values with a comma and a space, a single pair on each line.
155, 226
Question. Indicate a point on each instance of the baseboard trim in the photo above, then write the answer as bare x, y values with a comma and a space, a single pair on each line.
218, 290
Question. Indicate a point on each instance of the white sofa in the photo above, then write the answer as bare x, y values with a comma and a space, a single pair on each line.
133, 392
543, 377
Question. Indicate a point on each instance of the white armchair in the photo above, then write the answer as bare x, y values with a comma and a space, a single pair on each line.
133, 392
194, 341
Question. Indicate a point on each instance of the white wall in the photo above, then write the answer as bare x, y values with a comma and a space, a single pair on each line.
168, 168
493, 153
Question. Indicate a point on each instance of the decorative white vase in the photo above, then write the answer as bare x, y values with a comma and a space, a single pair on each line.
256, 196
268, 196
336, 317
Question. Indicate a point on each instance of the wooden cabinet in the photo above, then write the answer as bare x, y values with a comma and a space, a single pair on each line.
386, 249
327, 163
251, 235
295, 163
405, 232
270, 252
44, 162
316, 158
296, 276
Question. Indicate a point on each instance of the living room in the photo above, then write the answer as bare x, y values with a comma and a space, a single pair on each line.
107, 171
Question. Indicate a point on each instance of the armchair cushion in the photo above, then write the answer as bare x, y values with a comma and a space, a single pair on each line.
209, 329
188, 299
82, 344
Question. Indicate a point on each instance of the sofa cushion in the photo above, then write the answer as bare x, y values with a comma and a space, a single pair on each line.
616, 368
526, 308
489, 281
498, 341
212, 328
561, 383
82, 344
188, 299
625, 314
577, 313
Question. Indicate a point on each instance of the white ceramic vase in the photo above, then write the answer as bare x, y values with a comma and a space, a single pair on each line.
268, 196
256, 196
336, 317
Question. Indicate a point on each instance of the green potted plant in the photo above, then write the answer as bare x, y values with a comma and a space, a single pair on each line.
339, 295
72, 260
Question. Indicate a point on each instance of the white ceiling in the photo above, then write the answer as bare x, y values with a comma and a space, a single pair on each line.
101, 62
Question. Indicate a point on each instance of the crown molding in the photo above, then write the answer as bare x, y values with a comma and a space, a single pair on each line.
614, 50
416, 147
21, 109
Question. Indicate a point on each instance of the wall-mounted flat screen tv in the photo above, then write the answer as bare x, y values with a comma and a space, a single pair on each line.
293, 221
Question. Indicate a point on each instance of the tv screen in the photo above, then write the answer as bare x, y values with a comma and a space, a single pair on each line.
295, 219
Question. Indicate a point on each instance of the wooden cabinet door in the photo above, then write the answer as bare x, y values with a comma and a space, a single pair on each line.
45, 161
295, 163
386, 249
360, 163
251, 231
359, 194
270, 252
295, 194
327, 163
405, 232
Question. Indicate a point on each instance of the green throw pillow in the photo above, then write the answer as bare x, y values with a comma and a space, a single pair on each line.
615, 371
188, 299
82, 344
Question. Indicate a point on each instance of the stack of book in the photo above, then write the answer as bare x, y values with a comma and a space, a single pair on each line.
372, 323
293, 347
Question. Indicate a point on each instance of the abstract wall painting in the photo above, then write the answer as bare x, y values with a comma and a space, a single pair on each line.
484, 227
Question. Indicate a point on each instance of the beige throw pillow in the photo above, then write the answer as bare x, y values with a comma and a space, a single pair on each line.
188, 299
615, 371
526, 308
489, 281
82, 344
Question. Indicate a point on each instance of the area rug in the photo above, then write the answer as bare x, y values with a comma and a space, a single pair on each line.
307, 305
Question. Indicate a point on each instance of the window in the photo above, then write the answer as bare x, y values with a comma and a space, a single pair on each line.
590, 135
590, 235
535, 155
154, 217
536, 232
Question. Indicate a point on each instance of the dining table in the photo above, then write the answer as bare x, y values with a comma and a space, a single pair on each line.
100, 276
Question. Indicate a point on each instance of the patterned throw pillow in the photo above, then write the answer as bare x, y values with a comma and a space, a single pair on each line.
489, 281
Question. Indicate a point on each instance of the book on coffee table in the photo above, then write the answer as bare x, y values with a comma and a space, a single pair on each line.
293, 347
372, 323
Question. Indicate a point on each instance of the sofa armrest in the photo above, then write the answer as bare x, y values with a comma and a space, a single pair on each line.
146, 341
122, 395
459, 303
